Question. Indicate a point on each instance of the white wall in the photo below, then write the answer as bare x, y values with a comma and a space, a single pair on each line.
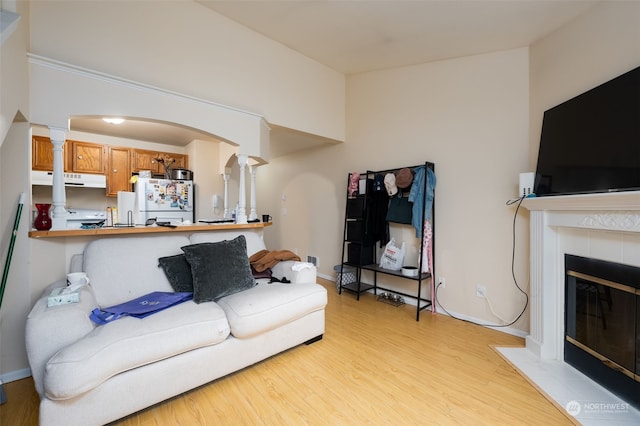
14, 73
595, 48
204, 160
184, 47
17, 296
470, 117
14, 154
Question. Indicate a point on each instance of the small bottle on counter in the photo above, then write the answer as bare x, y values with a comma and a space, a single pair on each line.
109, 221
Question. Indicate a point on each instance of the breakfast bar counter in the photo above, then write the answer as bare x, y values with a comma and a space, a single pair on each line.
153, 229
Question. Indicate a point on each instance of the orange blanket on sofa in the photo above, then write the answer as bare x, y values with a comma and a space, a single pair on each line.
265, 259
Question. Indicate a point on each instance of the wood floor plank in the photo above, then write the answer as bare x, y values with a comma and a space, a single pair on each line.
375, 365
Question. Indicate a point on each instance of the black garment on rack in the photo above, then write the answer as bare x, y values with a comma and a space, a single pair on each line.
377, 225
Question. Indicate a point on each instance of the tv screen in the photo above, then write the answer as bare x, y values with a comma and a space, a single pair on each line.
591, 143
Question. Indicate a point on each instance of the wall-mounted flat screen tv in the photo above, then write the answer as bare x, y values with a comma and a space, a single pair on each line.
591, 143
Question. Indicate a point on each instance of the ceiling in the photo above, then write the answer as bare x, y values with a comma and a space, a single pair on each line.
149, 131
352, 36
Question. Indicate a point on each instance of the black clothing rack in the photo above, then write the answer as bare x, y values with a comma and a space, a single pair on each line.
361, 236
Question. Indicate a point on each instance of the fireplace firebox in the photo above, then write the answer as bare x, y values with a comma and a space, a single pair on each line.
602, 337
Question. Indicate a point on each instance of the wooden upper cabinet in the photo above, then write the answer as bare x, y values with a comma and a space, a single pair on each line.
146, 160
42, 154
154, 161
118, 170
117, 163
182, 161
86, 157
175, 161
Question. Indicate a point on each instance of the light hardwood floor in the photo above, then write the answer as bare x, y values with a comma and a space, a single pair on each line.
376, 365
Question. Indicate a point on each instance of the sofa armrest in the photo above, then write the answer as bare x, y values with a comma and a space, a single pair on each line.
296, 272
50, 329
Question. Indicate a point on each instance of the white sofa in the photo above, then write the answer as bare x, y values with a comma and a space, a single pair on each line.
87, 374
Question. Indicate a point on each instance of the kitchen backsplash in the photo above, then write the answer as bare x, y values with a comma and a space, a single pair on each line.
80, 198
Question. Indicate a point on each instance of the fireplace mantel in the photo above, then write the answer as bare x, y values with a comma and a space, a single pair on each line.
616, 212
610, 201
599, 226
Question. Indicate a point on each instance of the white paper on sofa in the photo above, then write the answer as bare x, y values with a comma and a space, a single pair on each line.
299, 266
62, 296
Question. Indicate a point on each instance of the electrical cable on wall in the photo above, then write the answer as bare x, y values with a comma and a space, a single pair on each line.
513, 274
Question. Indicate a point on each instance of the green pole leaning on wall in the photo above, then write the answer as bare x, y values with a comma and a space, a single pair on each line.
5, 274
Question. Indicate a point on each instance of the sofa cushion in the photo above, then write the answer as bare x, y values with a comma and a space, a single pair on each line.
219, 269
268, 306
254, 240
124, 268
178, 272
131, 342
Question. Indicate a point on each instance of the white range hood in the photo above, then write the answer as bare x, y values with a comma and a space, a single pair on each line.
81, 180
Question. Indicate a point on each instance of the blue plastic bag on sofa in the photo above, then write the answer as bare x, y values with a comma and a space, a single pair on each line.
141, 307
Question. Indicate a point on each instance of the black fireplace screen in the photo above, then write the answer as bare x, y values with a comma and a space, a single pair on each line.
602, 307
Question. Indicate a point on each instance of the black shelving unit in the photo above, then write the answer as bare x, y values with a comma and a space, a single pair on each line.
355, 250
359, 250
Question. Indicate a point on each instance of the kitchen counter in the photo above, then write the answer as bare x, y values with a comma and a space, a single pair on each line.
153, 229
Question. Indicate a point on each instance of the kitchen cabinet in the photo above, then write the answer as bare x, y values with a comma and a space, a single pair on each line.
154, 161
118, 170
172, 161
145, 160
78, 157
117, 163
180, 161
86, 157
42, 154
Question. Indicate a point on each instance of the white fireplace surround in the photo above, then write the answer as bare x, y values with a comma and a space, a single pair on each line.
604, 226
600, 226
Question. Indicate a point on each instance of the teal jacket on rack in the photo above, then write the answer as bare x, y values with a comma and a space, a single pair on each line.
417, 194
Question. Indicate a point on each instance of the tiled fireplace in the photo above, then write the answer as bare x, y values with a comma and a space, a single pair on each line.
601, 226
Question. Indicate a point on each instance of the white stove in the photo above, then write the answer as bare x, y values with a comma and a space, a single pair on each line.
78, 217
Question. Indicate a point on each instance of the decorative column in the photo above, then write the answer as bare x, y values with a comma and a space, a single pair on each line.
241, 214
253, 215
226, 215
544, 305
59, 198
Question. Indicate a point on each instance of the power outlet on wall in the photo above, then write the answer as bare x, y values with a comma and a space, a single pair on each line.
442, 282
481, 291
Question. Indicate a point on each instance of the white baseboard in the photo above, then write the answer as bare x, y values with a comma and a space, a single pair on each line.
327, 277
413, 301
12, 376
508, 330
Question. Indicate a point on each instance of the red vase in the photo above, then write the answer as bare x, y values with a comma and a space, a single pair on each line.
42, 222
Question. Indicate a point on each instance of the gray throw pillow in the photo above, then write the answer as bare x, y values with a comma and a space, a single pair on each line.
219, 269
178, 272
